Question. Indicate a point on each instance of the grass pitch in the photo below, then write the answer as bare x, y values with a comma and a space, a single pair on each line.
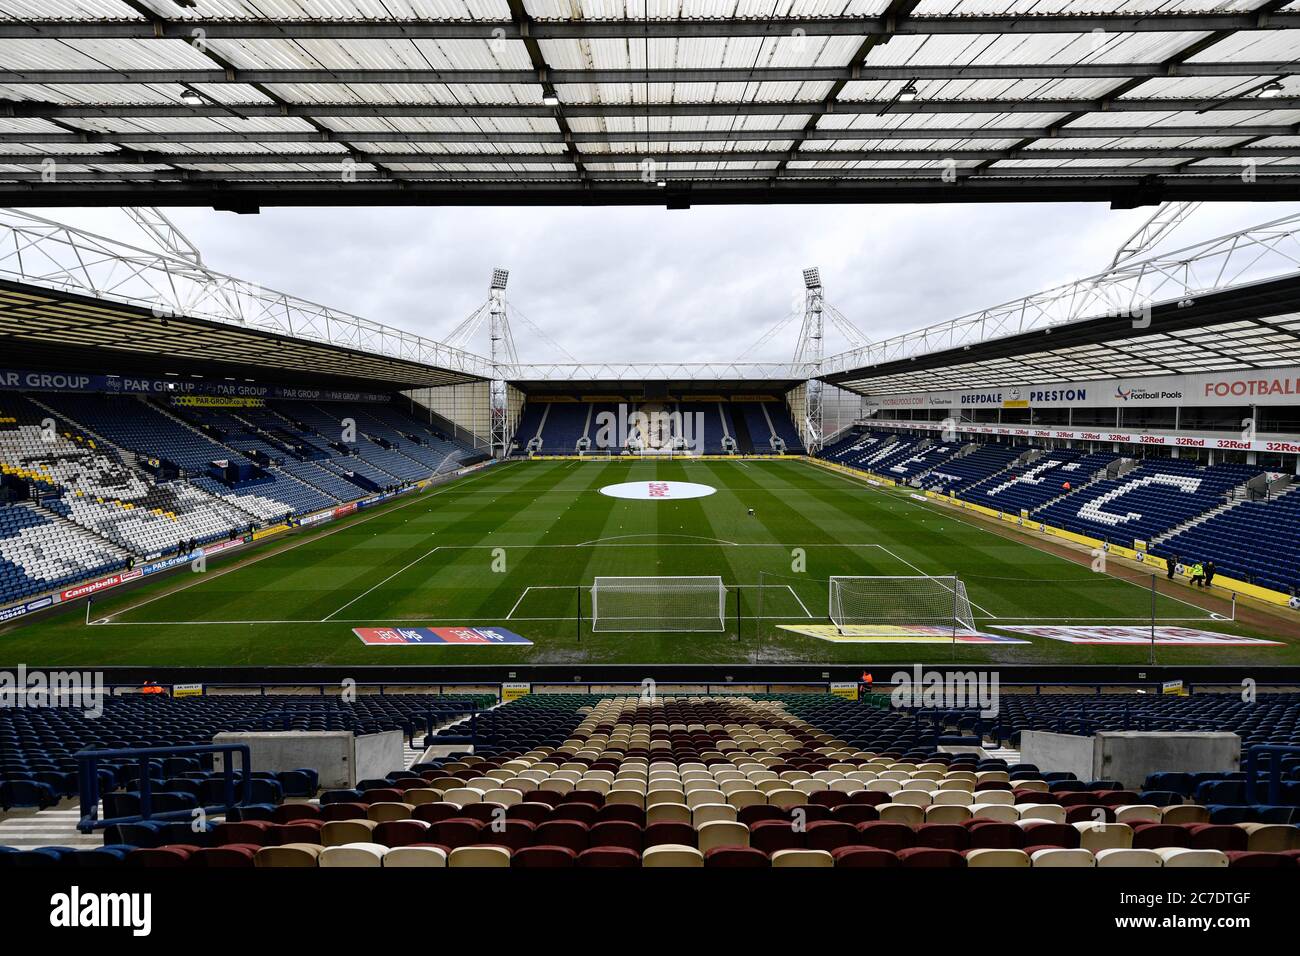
518, 545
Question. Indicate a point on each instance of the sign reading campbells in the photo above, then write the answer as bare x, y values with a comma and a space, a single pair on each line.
658, 490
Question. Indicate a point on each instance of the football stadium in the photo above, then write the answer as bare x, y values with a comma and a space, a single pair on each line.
283, 586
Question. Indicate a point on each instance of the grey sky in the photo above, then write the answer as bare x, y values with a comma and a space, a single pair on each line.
652, 284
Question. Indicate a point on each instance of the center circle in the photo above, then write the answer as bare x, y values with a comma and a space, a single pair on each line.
658, 490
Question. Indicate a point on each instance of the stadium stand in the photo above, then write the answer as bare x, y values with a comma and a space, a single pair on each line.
1233, 536
40, 552
598, 781
1038, 481
966, 468
1149, 499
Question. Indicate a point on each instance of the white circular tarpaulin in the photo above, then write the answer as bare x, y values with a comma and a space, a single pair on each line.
658, 490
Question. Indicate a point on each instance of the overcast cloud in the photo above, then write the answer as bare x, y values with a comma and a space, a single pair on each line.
658, 285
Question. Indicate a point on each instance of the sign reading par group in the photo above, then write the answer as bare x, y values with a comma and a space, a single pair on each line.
658, 490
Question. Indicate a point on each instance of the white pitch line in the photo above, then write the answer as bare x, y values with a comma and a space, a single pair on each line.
807, 612
379, 585
523, 595
314, 537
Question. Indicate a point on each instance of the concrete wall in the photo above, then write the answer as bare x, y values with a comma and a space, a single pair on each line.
378, 755
1130, 756
337, 756
1048, 751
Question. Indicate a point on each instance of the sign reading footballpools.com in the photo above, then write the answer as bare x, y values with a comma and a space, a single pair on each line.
658, 490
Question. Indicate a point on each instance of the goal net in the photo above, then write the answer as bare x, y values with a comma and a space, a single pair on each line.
658, 604
903, 605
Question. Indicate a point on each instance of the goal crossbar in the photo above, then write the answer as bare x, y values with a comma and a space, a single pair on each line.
658, 603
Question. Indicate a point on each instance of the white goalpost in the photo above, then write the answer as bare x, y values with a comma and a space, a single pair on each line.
900, 605
658, 603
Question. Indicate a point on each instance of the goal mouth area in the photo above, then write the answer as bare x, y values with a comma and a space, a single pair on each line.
920, 631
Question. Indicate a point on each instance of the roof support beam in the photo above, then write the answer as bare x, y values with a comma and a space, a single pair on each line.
388, 135
153, 158
29, 108
561, 191
771, 74
274, 28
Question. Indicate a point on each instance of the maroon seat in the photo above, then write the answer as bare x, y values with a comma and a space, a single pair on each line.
569, 833
865, 856
592, 798
943, 836
993, 835
304, 831
482, 812
736, 857
511, 834
409, 783
658, 834
1046, 834
1078, 799
885, 835
829, 798
617, 833
1218, 836
772, 835
544, 857
620, 813
232, 856
252, 832
400, 832
1255, 859
534, 812
1116, 798
1153, 836
583, 813
870, 798
546, 796
831, 835
343, 811
610, 857
809, 813
1035, 796
170, 856
992, 785
291, 812
760, 812
383, 795
854, 813
1086, 812
455, 833
436, 812
928, 858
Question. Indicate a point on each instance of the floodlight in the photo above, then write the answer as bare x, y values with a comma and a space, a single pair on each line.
499, 278
191, 96
812, 278
909, 92
549, 96
1270, 90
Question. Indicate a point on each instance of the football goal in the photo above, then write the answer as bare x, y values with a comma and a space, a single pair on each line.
902, 605
666, 603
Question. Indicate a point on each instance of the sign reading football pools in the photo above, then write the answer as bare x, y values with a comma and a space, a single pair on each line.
479, 636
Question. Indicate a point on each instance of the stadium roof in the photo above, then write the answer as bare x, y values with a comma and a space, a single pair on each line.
243, 103
51, 329
1227, 304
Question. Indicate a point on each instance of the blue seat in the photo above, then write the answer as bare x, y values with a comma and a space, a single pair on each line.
26, 793
101, 856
